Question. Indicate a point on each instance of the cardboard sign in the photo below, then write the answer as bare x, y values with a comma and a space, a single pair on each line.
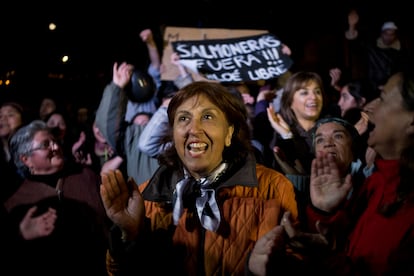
251, 58
173, 34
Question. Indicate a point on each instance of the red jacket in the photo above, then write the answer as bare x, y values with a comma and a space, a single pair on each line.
376, 244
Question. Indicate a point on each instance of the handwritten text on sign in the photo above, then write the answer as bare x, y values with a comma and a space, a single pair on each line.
234, 60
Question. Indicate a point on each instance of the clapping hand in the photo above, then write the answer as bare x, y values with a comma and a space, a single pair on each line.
32, 227
300, 239
273, 245
123, 203
272, 241
277, 122
327, 189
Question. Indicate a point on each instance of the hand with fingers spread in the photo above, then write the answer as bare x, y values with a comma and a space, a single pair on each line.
123, 203
122, 74
327, 189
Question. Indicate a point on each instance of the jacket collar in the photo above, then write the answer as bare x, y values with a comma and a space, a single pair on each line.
162, 184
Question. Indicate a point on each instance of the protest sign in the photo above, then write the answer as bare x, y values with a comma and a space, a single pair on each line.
251, 58
172, 34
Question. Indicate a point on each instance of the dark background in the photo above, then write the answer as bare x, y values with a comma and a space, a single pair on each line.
95, 35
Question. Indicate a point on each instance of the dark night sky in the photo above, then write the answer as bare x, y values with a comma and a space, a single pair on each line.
96, 35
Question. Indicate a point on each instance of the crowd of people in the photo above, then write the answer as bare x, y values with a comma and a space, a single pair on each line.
297, 174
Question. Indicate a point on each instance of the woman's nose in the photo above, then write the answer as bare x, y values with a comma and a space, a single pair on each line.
195, 126
313, 95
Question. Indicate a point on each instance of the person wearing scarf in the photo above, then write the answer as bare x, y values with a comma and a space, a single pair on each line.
208, 202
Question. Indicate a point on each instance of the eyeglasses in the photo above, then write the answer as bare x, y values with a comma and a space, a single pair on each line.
45, 145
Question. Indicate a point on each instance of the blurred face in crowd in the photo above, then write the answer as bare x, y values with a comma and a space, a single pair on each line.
57, 122
389, 36
200, 134
5, 129
10, 120
46, 107
12, 116
392, 122
334, 139
346, 100
308, 101
46, 155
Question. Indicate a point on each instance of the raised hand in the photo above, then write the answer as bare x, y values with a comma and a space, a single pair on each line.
277, 122
175, 60
146, 36
123, 203
112, 164
286, 50
80, 156
122, 74
335, 74
327, 189
362, 124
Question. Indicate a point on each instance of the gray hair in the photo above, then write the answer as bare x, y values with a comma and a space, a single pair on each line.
21, 143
